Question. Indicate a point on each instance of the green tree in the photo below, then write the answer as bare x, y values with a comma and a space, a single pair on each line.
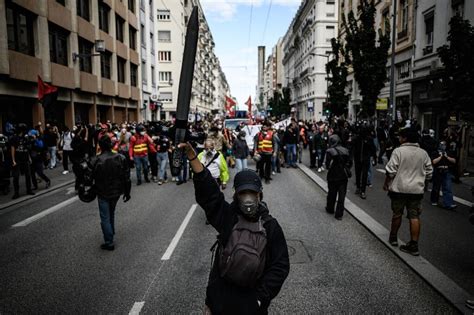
458, 60
337, 67
366, 54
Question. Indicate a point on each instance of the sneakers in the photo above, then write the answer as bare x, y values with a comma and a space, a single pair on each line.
160, 182
273, 173
154, 179
452, 207
393, 240
339, 218
363, 195
411, 248
320, 170
107, 247
65, 172
434, 204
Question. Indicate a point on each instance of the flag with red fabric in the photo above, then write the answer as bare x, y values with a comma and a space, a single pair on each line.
230, 107
47, 93
249, 105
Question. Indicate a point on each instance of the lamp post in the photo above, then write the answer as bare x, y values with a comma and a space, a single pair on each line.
99, 48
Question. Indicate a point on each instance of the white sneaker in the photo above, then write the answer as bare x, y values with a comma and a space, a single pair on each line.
65, 172
319, 170
173, 179
273, 173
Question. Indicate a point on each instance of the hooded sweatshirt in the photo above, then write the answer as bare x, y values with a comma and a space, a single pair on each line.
222, 296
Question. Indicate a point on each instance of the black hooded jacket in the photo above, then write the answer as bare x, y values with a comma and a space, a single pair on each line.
337, 158
223, 297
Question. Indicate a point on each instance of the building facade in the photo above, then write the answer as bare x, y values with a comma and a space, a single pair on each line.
40, 38
172, 18
273, 74
307, 49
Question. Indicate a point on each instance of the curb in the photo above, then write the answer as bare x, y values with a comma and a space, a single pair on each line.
38, 194
451, 291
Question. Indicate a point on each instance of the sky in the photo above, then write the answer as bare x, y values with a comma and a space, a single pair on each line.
236, 46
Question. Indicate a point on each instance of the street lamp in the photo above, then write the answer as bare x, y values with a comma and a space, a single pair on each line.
99, 47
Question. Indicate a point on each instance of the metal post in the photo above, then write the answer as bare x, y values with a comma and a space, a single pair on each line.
392, 66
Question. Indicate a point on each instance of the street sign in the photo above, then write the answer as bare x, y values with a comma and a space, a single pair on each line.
310, 106
382, 104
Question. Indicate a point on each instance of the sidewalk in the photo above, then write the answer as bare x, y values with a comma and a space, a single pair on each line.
446, 239
58, 180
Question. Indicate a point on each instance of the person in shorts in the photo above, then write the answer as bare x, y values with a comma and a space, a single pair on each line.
406, 173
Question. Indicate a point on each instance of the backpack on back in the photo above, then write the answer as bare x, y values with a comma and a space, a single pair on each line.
242, 258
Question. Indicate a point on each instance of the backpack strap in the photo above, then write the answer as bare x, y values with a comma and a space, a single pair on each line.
212, 160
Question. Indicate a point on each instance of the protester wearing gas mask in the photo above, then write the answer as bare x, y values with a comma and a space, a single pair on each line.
240, 283
215, 162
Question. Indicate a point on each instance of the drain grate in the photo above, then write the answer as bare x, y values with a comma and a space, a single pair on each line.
298, 252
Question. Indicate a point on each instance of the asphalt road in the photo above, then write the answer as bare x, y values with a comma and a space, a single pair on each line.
54, 265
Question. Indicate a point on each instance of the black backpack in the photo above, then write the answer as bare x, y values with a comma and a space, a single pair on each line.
242, 257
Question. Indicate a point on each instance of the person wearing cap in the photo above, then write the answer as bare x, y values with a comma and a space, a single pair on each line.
223, 296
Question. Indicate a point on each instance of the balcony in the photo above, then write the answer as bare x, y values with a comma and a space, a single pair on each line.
427, 50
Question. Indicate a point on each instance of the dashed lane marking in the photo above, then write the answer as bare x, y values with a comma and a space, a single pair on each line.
46, 212
137, 307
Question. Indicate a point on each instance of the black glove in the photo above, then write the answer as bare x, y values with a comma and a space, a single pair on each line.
126, 198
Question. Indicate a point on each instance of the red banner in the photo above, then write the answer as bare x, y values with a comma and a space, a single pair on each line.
230, 106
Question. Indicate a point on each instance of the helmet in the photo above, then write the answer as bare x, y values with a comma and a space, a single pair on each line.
87, 193
257, 157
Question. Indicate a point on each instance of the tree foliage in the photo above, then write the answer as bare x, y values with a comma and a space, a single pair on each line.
337, 67
458, 60
366, 54
280, 103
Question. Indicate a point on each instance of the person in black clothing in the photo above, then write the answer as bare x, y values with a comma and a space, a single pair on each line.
290, 141
427, 142
21, 163
363, 150
382, 136
111, 176
338, 163
37, 152
443, 160
222, 295
241, 151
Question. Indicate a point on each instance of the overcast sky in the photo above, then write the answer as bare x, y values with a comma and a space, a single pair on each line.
229, 21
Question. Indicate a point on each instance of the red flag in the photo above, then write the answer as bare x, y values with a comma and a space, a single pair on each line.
230, 106
249, 105
47, 94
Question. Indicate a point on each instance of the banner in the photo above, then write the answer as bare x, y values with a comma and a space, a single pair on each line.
230, 106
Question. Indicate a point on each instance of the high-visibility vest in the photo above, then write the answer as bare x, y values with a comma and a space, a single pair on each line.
140, 148
265, 144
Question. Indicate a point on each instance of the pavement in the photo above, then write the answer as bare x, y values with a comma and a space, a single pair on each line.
51, 261
446, 236
58, 180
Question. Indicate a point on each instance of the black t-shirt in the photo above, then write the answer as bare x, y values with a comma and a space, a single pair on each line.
50, 139
163, 144
444, 163
21, 148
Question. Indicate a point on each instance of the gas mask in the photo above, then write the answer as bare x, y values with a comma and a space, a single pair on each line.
248, 205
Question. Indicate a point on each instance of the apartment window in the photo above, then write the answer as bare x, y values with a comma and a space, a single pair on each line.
83, 9
429, 33
20, 30
142, 5
331, 8
164, 15
151, 10
85, 47
166, 96
164, 56
153, 77
152, 43
121, 70
104, 11
133, 74
105, 61
164, 36
458, 7
131, 5
58, 44
143, 35
404, 18
132, 36
144, 78
165, 76
62, 2
119, 24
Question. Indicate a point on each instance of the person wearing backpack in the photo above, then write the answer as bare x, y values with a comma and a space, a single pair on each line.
250, 262
338, 163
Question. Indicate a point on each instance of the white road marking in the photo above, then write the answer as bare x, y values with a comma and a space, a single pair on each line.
137, 307
70, 191
179, 233
44, 213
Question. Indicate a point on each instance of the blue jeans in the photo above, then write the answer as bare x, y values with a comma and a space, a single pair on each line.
443, 181
241, 164
52, 154
369, 175
183, 174
162, 159
291, 154
107, 218
141, 162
